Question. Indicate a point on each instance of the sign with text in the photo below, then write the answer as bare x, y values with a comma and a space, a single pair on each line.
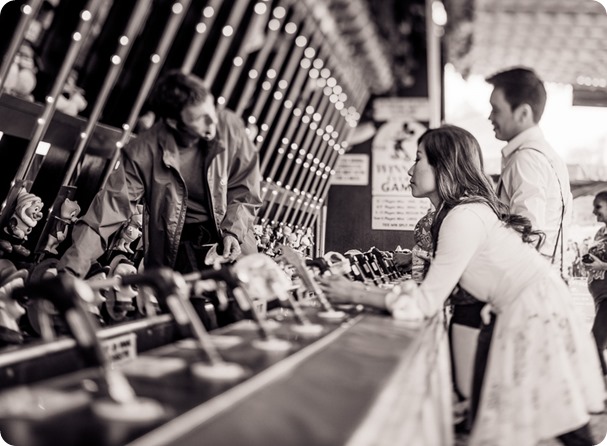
394, 152
395, 109
352, 170
121, 348
398, 213
394, 149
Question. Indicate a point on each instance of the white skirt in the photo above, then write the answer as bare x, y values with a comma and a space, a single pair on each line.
543, 375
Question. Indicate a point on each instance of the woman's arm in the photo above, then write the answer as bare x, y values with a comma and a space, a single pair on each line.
341, 290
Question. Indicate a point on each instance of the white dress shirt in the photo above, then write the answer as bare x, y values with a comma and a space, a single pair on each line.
529, 186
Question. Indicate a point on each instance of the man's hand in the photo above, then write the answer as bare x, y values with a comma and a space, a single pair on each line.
231, 247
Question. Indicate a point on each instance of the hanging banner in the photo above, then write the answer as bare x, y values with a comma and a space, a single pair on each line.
394, 149
352, 169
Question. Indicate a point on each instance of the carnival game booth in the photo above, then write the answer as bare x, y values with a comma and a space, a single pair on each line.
303, 373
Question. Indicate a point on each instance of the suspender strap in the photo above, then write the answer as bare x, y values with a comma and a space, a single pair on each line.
559, 235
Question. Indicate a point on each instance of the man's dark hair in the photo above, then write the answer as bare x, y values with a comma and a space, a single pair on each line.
175, 91
521, 86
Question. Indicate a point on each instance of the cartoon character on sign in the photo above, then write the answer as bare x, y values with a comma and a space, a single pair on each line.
405, 141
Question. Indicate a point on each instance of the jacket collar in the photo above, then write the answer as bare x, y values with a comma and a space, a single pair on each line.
170, 150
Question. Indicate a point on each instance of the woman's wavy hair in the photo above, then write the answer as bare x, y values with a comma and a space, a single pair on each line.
457, 160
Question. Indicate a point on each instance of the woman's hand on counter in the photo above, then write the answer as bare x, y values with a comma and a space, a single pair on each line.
341, 290
402, 302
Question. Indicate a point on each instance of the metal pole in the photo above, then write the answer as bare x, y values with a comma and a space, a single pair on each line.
327, 185
228, 31
299, 85
43, 122
306, 119
308, 162
309, 189
313, 157
208, 17
28, 12
269, 80
321, 177
308, 102
279, 98
243, 52
434, 67
124, 45
157, 58
330, 155
125, 42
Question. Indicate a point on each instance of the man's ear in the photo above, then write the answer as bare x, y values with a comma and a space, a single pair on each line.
524, 114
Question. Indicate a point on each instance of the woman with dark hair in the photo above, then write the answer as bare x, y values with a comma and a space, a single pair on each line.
543, 375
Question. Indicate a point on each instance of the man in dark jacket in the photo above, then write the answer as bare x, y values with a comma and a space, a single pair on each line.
196, 174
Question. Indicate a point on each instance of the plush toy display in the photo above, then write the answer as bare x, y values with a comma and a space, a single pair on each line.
61, 225
96, 273
131, 232
21, 77
306, 242
71, 101
258, 233
27, 214
120, 300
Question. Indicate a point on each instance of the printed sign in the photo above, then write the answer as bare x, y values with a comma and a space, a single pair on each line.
121, 348
352, 169
398, 213
394, 152
400, 109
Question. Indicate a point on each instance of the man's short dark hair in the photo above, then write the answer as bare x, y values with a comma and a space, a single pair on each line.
175, 91
521, 86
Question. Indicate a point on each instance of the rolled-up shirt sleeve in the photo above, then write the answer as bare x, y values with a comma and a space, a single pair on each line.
525, 181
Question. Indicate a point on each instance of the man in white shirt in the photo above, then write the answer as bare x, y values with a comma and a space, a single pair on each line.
534, 182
